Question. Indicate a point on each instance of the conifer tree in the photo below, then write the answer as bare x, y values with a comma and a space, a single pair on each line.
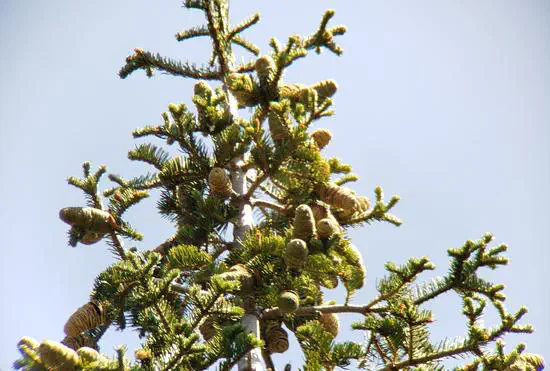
204, 298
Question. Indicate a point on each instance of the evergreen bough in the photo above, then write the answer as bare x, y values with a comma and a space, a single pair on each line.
199, 299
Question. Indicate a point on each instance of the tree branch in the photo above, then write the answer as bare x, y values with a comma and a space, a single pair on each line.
268, 205
267, 192
275, 312
255, 185
170, 242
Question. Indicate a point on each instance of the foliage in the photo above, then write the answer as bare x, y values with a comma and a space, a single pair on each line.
187, 298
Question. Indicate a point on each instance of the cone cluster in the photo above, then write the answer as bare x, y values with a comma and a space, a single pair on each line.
331, 281
202, 89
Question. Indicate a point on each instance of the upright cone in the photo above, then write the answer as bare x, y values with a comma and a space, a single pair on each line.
219, 182
296, 253
327, 227
304, 223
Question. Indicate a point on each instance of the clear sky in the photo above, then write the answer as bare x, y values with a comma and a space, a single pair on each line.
446, 103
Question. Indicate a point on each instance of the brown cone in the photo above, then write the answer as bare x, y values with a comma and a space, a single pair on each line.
88, 316
330, 322
276, 337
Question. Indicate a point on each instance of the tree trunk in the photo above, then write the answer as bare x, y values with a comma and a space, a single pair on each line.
252, 361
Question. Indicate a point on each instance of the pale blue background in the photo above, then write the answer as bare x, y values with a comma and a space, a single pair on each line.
443, 102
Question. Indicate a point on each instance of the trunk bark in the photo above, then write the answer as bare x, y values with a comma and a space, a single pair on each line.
252, 361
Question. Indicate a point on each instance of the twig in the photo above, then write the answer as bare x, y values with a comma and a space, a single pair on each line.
267, 359
381, 352
268, 192
268, 205
221, 249
428, 358
275, 312
255, 185
117, 243
170, 242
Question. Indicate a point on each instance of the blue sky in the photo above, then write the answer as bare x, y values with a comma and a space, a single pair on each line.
445, 103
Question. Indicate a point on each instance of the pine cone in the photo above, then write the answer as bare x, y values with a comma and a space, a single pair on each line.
327, 227
321, 137
288, 302
276, 337
88, 316
266, 70
339, 197
243, 88
90, 238
292, 91
304, 223
219, 182
278, 122
57, 356
240, 272
330, 322
321, 211
365, 203
89, 219
296, 253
